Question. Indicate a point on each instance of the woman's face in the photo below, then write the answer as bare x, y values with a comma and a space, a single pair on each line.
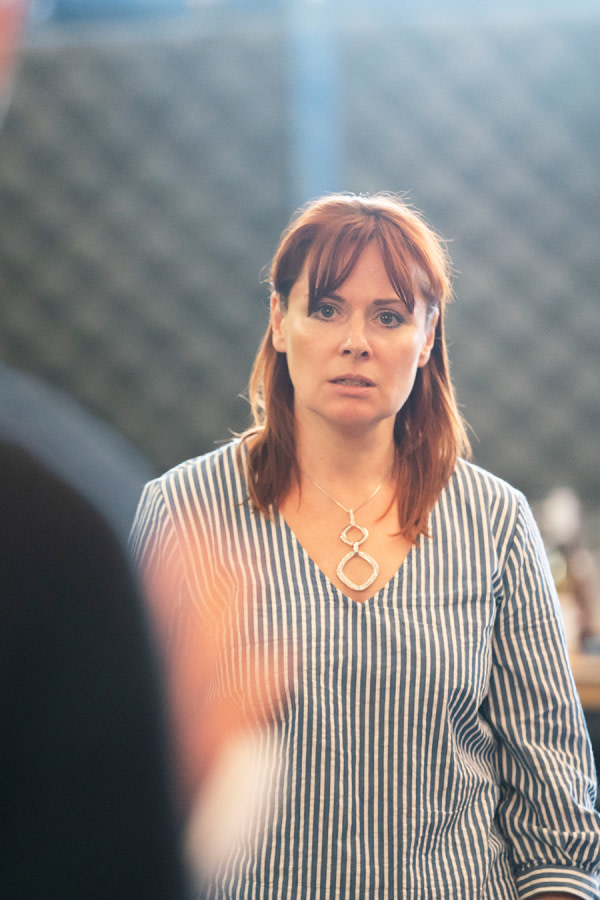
354, 359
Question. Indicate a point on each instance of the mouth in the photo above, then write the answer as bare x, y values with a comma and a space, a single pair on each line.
352, 381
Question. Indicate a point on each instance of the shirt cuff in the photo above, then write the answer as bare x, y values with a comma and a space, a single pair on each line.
557, 878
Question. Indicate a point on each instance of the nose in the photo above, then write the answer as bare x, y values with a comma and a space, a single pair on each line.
355, 342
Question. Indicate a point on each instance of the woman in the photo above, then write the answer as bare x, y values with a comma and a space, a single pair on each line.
428, 740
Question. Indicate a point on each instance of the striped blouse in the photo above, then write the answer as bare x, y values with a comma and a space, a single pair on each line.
429, 742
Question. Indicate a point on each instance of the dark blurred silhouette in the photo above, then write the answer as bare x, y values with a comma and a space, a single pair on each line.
86, 808
86, 452
86, 805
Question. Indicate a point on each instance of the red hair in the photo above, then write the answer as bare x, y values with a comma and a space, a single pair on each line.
429, 432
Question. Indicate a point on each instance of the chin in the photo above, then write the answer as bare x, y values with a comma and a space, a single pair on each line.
359, 423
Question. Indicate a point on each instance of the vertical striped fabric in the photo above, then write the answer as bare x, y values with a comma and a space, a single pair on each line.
429, 743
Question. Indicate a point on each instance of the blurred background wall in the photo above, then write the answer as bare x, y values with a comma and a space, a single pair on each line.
154, 151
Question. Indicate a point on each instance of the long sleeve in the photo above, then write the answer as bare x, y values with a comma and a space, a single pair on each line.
170, 554
155, 550
548, 781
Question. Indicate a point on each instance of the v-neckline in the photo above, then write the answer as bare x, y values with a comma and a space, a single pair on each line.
368, 601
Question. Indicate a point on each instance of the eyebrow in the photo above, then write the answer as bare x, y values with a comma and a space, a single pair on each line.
386, 302
378, 302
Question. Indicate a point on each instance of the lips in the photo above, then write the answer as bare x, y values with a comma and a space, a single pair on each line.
353, 381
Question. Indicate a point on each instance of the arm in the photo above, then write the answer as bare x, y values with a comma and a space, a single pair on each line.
548, 789
156, 551
172, 549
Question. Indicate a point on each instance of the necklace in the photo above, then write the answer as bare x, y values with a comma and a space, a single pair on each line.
356, 551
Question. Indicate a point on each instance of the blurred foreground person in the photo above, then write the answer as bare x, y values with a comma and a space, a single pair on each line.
85, 794
53, 426
85, 800
429, 741
83, 450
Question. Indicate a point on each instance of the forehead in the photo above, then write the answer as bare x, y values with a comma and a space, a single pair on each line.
370, 267
379, 269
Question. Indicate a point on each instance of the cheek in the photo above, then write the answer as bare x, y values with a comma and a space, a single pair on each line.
300, 340
300, 358
305, 363
407, 352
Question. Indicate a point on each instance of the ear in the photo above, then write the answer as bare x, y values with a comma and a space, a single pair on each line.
429, 339
278, 324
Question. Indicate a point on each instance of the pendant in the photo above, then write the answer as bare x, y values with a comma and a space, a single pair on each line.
356, 551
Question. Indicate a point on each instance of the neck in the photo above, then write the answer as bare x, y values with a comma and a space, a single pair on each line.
345, 467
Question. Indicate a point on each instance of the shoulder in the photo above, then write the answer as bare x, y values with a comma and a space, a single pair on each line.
483, 487
474, 495
47, 525
35, 499
212, 481
190, 498
213, 468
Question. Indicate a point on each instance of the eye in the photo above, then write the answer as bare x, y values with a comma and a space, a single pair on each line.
390, 319
324, 311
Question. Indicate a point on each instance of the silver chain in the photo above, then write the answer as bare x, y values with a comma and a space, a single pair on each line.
352, 509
